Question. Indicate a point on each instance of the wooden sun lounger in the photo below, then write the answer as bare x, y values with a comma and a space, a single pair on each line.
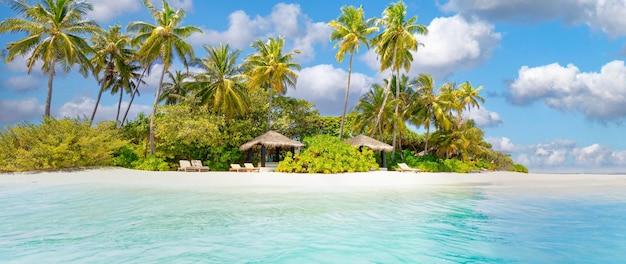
198, 165
402, 167
250, 167
186, 166
237, 168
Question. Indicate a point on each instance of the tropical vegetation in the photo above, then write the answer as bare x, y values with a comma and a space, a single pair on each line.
208, 112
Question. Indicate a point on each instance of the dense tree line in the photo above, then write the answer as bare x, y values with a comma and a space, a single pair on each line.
207, 114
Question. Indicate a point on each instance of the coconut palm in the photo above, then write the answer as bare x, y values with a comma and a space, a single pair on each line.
222, 83
112, 57
178, 87
429, 107
126, 82
469, 97
367, 108
56, 30
394, 46
270, 68
162, 41
350, 31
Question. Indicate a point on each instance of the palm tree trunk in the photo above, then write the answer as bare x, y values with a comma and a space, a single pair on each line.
382, 107
132, 95
395, 117
345, 100
119, 107
154, 106
95, 108
426, 143
269, 110
50, 79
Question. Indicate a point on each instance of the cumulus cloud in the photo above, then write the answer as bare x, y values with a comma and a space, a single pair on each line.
452, 44
598, 95
502, 144
109, 10
286, 20
24, 83
562, 156
325, 86
13, 111
483, 117
83, 107
606, 16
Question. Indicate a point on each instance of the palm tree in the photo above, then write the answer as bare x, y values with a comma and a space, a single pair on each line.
222, 84
270, 68
177, 89
136, 83
429, 107
367, 108
112, 56
55, 31
126, 81
351, 30
162, 41
394, 46
468, 95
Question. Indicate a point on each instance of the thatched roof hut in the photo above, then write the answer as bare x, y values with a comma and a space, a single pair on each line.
271, 139
373, 144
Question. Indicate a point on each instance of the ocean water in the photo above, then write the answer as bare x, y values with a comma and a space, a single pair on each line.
443, 224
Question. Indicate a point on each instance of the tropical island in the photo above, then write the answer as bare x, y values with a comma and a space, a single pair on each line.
208, 114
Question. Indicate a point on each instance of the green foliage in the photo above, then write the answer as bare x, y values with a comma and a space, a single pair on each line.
327, 154
58, 144
455, 165
220, 158
151, 163
519, 168
124, 157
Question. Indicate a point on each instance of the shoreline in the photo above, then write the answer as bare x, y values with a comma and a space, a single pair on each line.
374, 179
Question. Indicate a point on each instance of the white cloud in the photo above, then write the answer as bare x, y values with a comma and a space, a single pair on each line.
24, 83
452, 44
241, 32
12, 111
83, 107
598, 95
603, 15
285, 20
109, 10
562, 156
502, 144
598, 155
325, 86
483, 117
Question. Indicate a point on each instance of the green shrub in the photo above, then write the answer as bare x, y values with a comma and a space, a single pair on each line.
58, 144
151, 163
455, 165
124, 157
328, 154
519, 168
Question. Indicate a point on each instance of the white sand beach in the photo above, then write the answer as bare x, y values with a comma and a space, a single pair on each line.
374, 179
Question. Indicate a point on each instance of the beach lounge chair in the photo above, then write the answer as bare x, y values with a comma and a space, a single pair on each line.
237, 168
185, 166
250, 167
198, 165
402, 167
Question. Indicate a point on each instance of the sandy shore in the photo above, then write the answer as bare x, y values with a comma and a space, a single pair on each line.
271, 179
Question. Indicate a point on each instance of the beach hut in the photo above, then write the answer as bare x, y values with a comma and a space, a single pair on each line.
270, 140
373, 144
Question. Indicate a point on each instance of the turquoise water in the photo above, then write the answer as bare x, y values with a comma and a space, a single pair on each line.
446, 224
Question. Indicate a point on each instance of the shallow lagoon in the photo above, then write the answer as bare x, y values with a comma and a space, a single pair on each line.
105, 223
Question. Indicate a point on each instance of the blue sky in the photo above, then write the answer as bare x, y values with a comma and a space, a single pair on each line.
553, 71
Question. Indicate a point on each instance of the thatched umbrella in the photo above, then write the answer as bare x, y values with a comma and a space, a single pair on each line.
373, 144
271, 139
